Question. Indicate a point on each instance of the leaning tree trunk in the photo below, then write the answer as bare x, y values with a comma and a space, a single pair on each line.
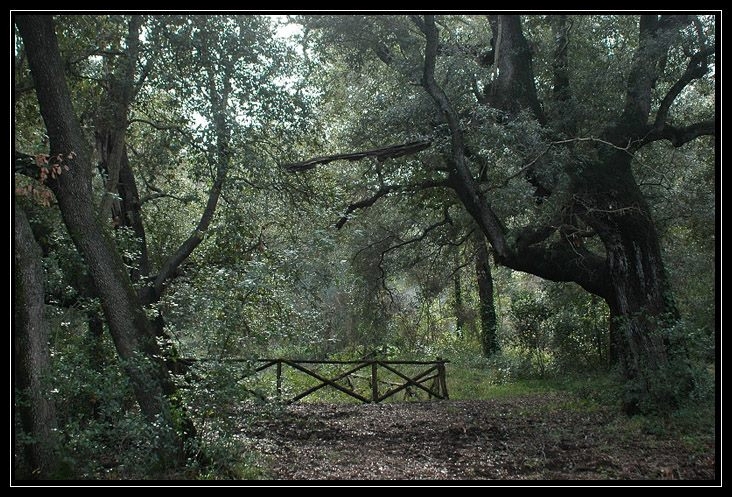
128, 324
488, 322
32, 356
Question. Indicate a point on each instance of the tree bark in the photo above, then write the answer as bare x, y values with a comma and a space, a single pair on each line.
641, 303
512, 89
459, 305
130, 329
32, 355
488, 322
130, 215
112, 121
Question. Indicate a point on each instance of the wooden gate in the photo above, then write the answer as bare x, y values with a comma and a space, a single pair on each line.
430, 378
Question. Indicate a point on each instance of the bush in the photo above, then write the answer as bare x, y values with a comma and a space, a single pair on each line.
532, 331
682, 380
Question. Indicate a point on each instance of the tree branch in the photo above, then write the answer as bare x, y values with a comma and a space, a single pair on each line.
561, 261
680, 135
463, 183
219, 103
444, 221
363, 203
655, 37
696, 69
160, 194
382, 192
380, 154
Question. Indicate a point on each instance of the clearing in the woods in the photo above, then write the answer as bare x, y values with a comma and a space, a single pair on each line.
538, 436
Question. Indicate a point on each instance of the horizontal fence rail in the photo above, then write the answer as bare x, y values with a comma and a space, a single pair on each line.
429, 378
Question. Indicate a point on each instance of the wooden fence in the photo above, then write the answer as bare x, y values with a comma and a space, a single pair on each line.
430, 378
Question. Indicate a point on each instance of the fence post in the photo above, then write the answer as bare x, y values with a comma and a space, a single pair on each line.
441, 375
374, 382
279, 379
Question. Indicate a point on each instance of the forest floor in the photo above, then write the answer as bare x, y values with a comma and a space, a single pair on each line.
552, 436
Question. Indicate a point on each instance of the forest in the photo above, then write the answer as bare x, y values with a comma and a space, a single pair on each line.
527, 201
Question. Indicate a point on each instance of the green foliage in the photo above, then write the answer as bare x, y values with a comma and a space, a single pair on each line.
214, 394
580, 331
103, 436
531, 332
683, 380
273, 278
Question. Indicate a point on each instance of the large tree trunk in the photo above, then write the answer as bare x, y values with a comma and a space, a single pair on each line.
641, 303
130, 328
488, 322
513, 88
32, 356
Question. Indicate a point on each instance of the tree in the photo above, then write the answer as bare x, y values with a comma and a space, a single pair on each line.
32, 357
488, 322
133, 337
590, 223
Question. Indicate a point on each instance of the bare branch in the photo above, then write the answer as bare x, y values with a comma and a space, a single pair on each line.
380, 154
444, 221
219, 102
527, 166
185, 200
462, 239
382, 192
363, 203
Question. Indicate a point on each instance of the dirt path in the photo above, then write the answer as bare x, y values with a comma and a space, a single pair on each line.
548, 436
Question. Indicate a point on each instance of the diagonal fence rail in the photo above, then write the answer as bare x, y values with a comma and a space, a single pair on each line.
429, 378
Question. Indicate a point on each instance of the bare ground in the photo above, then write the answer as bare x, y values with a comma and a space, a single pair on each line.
532, 437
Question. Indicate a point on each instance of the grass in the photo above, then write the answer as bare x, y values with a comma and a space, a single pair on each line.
474, 383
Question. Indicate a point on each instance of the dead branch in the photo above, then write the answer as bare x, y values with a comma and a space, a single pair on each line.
380, 154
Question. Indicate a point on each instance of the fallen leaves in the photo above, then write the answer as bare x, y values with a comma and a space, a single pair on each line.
516, 438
